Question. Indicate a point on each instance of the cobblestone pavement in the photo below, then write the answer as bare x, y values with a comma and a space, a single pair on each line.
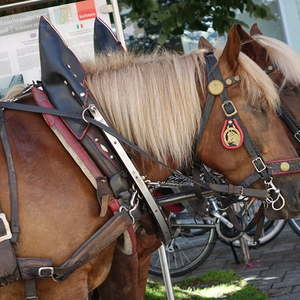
276, 265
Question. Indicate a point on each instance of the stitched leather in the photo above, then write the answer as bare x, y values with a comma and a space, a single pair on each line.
59, 66
104, 39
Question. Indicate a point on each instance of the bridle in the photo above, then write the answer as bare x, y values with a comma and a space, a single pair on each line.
285, 114
263, 170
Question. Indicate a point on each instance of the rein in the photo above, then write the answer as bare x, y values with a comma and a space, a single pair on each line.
221, 188
216, 87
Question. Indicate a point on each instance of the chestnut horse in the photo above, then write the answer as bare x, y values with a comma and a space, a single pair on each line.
284, 67
156, 102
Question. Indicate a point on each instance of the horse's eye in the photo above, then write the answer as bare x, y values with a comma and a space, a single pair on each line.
263, 110
258, 109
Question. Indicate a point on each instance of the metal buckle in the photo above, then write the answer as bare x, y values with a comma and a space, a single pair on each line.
8, 234
49, 272
257, 162
229, 114
297, 136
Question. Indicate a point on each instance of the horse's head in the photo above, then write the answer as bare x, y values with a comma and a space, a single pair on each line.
279, 61
256, 101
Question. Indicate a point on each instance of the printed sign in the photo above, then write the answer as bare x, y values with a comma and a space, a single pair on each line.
19, 48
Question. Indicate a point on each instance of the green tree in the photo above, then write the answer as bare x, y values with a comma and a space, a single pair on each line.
165, 20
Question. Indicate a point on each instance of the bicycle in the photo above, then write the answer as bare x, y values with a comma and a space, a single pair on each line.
194, 238
295, 225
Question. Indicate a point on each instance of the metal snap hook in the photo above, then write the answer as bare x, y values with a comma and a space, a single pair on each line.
84, 111
271, 188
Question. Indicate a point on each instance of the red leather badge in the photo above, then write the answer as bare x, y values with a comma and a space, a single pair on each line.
232, 136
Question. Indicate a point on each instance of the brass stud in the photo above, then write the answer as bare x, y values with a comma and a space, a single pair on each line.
65, 82
73, 94
270, 68
104, 148
96, 140
284, 166
215, 87
82, 94
237, 78
228, 81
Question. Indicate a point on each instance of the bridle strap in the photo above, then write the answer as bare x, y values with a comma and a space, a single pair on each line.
12, 180
290, 122
284, 113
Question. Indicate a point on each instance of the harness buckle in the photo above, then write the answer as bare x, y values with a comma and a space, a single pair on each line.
7, 234
259, 164
229, 108
297, 136
46, 272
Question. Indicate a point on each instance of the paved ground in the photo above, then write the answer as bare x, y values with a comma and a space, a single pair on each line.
276, 266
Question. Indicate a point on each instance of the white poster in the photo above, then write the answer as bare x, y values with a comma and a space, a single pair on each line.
19, 48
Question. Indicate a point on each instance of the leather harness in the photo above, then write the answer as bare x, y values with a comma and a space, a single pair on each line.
79, 123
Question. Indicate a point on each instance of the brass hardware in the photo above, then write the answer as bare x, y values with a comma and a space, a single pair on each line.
284, 166
228, 81
215, 87
229, 114
231, 136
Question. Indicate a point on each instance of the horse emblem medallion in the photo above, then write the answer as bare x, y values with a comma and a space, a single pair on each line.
232, 136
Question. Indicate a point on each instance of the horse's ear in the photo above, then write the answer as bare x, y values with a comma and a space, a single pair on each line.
205, 44
247, 42
255, 29
231, 51
104, 39
251, 47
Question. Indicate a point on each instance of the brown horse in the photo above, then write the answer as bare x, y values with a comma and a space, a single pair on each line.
284, 62
156, 102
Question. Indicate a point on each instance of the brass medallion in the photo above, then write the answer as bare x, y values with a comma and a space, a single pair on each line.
232, 136
284, 166
215, 87
228, 81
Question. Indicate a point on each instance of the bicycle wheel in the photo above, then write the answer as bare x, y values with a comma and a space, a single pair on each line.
189, 249
270, 231
295, 225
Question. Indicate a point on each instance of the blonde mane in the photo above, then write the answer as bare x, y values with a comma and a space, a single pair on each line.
153, 100
282, 56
